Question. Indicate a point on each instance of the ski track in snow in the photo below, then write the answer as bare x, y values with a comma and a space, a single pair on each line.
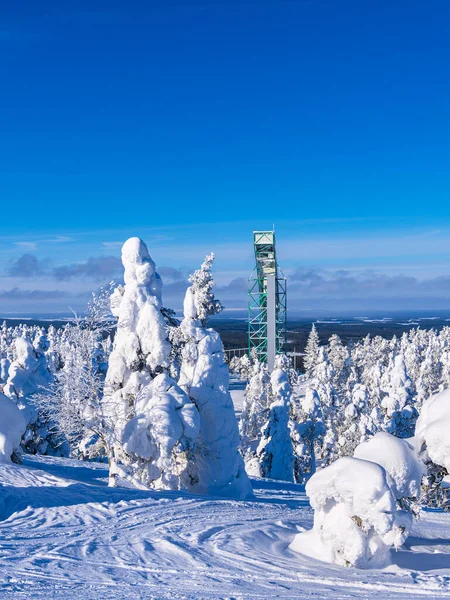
65, 534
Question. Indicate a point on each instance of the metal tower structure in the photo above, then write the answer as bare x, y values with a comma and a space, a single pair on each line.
266, 300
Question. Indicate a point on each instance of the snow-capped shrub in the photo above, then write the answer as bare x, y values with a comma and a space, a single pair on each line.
204, 376
12, 427
356, 520
398, 458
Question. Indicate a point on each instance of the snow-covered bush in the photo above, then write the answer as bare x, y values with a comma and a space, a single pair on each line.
12, 427
398, 458
204, 376
356, 520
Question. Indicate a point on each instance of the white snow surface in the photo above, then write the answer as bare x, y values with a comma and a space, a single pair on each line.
398, 458
433, 429
65, 534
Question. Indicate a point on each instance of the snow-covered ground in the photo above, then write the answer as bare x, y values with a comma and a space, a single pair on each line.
65, 534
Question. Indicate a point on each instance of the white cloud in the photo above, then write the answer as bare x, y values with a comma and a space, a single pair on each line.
59, 239
26, 245
112, 244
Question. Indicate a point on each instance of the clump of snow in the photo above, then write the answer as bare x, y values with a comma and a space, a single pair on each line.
432, 435
12, 427
204, 376
356, 520
398, 458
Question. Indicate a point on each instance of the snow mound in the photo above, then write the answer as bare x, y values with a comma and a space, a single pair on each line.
356, 520
398, 458
12, 427
433, 427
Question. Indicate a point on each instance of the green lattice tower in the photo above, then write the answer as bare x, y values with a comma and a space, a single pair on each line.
266, 300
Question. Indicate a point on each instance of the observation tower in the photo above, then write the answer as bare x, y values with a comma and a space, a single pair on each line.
266, 300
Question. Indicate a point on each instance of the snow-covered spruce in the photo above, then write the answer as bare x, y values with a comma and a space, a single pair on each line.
12, 427
400, 415
306, 429
256, 404
275, 452
150, 424
356, 520
219, 468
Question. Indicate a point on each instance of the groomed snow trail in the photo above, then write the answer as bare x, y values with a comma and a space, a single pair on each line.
64, 534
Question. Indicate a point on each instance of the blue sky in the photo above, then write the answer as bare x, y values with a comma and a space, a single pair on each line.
191, 123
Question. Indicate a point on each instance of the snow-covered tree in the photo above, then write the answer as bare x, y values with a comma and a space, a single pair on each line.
206, 304
275, 451
306, 429
400, 415
73, 401
141, 352
29, 376
311, 351
204, 377
256, 404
